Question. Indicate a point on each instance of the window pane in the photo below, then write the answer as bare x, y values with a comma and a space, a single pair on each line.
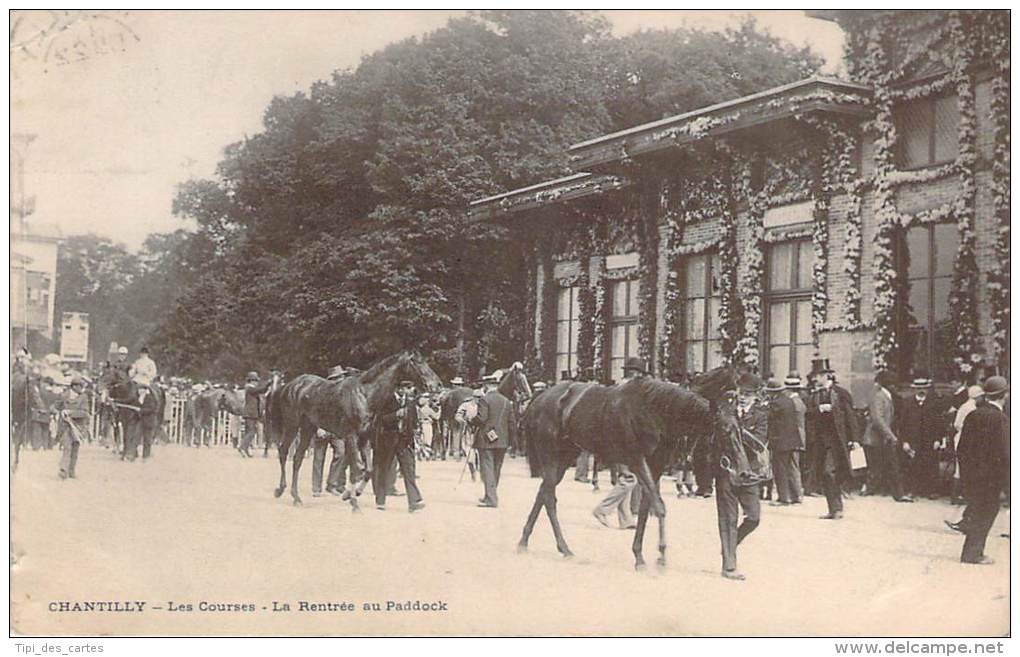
913, 127
616, 369
917, 351
940, 304
947, 240
562, 337
713, 318
916, 255
918, 303
779, 361
563, 305
632, 340
803, 323
694, 357
696, 270
806, 253
619, 294
947, 126
779, 323
802, 359
575, 329
694, 319
715, 357
575, 304
561, 364
619, 337
635, 291
780, 266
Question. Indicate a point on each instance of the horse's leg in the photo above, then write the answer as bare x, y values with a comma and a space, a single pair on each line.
529, 525
305, 432
662, 542
551, 476
651, 486
283, 447
639, 534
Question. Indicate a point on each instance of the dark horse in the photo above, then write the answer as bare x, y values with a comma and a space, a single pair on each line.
25, 398
138, 410
640, 423
203, 408
345, 408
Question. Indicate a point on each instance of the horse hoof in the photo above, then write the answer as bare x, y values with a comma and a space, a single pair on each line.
522, 548
278, 492
640, 567
297, 502
568, 555
661, 563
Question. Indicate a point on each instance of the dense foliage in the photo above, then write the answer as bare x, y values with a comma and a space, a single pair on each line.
338, 233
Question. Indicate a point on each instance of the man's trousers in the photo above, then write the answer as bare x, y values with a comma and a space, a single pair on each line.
729, 501
392, 449
490, 462
982, 508
335, 479
786, 471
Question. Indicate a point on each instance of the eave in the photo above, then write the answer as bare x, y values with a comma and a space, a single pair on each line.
568, 188
813, 95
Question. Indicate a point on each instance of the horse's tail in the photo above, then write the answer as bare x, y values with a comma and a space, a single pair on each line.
531, 441
273, 416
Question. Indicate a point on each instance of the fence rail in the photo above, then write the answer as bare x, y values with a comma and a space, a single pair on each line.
225, 428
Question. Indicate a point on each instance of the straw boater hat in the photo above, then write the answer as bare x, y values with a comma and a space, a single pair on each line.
792, 379
457, 381
774, 385
336, 372
920, 382
539, 385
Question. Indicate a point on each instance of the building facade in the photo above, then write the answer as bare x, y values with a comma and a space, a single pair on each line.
863, 221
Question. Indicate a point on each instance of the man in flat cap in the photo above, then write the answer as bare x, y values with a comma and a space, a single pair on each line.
984, 462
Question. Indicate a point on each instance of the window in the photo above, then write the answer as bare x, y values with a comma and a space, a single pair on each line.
925, 262
928, 132
788, 341
702, 347
623, 325
568, 310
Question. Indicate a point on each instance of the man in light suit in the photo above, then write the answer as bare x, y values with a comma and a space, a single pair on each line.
882, 447
492, 439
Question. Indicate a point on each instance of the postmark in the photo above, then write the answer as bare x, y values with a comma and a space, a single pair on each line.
65, 37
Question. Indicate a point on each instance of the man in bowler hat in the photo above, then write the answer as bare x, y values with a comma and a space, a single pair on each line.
835, 425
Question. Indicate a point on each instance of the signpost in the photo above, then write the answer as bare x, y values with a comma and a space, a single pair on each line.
74, 337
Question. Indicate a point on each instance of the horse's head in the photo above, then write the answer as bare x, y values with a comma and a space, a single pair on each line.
715, 384
514, 385
413, 366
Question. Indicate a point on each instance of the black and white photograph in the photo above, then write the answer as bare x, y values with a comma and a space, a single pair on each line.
506, 322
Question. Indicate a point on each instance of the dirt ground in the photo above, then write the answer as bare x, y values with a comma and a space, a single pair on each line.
202, 526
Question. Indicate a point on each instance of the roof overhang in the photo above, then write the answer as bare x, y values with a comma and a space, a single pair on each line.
568, 188
813, 95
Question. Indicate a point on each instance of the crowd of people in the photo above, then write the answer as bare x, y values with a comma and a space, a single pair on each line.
806, 437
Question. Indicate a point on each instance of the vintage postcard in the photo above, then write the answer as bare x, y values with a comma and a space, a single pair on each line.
503, 323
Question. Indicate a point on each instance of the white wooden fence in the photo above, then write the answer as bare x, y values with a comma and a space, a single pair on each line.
226, 428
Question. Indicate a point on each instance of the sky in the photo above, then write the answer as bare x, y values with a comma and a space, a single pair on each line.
125, 105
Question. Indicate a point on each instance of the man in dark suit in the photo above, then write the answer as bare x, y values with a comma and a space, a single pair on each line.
835, 425
395, 440
922, 423
492, 439
253, 401
786, 440
881, 445
984, 459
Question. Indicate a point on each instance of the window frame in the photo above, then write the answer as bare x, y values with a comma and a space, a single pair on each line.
632, 319
929, 105
904, 365
706, 294
570, 321
792, 296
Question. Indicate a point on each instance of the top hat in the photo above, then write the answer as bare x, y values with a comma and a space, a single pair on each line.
634, 364
336, 372
820, 366
774, 385
995, 385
